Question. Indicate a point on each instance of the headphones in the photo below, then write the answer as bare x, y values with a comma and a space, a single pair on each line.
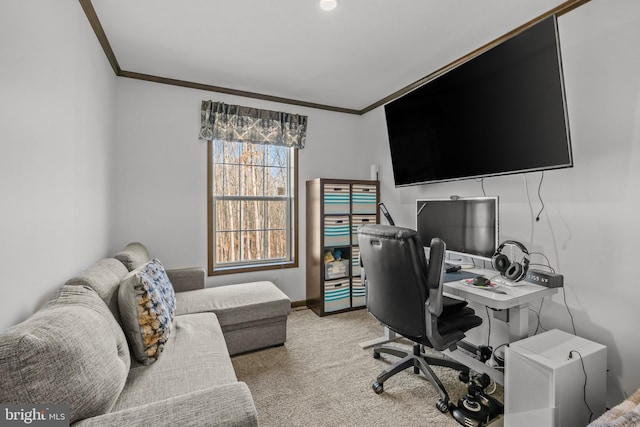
515, 271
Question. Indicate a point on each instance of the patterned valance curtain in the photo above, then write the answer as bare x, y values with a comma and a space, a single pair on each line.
245, 124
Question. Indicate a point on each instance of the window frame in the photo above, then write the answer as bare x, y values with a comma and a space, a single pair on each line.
258, 265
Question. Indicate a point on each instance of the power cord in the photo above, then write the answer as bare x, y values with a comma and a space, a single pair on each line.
564, 297
584, 387
500, 346
547, 265
539, 324
490, 390
541, 265
564, 292
488, 321
540, 197
481, 180
494, 357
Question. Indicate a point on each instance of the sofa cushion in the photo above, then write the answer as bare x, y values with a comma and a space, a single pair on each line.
147, 305
72, 351
103, 277
195, 358
236, 304
134, 255
228, 405
252, 315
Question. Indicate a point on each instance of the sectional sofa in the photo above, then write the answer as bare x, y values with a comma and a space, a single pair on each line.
82, 350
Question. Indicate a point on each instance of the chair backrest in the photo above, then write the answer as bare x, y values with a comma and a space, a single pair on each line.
399, 281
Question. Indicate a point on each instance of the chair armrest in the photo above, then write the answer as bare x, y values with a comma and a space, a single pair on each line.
229, 405
187, 279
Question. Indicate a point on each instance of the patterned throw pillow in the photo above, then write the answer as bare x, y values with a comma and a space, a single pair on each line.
147, 304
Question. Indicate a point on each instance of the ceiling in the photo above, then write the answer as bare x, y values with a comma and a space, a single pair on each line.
349, 59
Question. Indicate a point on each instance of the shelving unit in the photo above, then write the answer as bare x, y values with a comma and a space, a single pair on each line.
335, 209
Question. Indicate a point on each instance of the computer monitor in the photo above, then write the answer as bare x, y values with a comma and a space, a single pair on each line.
468, 226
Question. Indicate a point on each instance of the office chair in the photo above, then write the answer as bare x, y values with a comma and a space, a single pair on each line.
405, 294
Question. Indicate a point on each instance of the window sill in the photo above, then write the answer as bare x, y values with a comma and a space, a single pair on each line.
252, 268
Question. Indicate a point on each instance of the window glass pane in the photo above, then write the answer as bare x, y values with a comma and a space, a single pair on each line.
252, 245
253, 215
218, 151
227, 246
276, 214
276, 184
276, 244
226, 152
218, 179
225, 180
252, 180
277, 156
249, 232
252, 154
232, 152
227, 215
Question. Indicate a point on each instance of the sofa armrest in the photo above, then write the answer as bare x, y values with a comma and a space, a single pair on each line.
229, 405
187, 279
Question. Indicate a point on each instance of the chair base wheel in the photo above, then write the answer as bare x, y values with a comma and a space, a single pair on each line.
376, 355
377, 387
442, 406
464, 377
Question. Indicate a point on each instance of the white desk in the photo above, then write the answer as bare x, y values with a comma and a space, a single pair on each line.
515, 302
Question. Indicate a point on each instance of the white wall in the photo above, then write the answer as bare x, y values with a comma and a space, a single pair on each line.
589, 228
56, 122
160, 182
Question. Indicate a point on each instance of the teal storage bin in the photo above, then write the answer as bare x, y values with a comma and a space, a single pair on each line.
355, 261
358, 220
363, 199
358, 293
337, 199
336, 231
336, 295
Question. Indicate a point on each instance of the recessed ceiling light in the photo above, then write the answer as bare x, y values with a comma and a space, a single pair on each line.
328, 4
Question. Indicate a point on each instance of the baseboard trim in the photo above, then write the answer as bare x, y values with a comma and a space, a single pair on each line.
296, 304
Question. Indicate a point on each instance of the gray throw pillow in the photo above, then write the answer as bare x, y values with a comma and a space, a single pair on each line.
134, 255
147, 304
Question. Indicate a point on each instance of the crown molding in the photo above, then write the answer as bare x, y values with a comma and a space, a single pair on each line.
243, 93
560, 10
90, 12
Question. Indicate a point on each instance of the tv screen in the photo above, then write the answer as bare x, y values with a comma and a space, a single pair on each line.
501, 112
468, 226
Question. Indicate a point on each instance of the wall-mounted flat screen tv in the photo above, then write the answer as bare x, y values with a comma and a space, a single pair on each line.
501, 112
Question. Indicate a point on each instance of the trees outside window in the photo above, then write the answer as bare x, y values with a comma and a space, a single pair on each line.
252, 207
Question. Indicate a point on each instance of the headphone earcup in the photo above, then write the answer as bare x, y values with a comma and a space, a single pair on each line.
515, 272
500, 263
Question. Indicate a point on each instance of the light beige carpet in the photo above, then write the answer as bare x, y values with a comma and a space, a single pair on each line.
322, 377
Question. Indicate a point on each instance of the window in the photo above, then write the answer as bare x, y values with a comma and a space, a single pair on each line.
252, 216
